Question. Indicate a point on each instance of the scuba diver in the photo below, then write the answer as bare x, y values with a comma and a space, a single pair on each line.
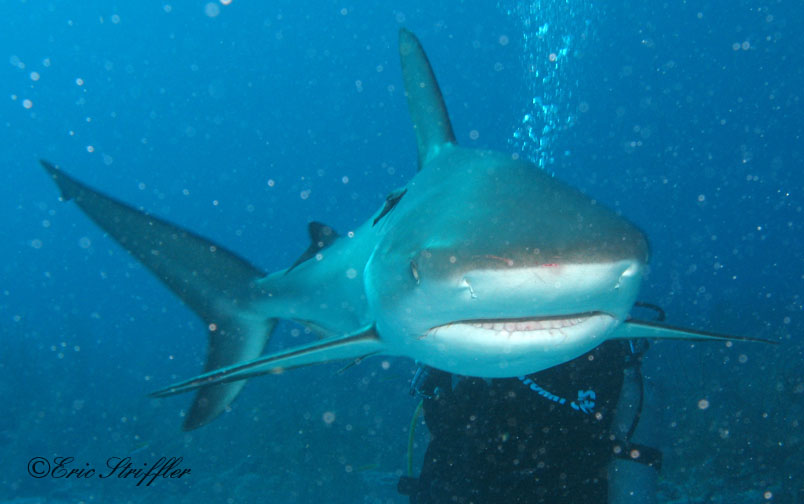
573, 433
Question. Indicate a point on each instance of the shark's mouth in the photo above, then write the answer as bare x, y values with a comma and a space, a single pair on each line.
507, 347
524, 325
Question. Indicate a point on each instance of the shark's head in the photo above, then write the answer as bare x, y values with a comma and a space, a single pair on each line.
497, 269
487, 264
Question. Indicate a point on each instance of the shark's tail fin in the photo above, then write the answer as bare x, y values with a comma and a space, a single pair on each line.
216, 284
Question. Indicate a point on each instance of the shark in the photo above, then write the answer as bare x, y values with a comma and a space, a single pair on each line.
481, 265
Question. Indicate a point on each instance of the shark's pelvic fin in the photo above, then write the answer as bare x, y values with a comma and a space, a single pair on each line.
321, 237
358, 345
215, 283
638, 329
426, 105
234, 339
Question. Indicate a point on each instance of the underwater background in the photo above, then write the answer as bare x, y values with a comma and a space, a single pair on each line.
246, 120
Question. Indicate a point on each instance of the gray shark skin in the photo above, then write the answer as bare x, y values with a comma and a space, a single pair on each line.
481, 265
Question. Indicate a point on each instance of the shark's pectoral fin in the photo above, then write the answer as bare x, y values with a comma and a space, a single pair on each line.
360, 344
216, 284
638, 329
426, 105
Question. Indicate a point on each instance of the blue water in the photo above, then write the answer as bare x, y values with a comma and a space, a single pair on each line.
245, 121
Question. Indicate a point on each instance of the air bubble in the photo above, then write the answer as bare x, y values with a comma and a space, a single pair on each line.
552, 33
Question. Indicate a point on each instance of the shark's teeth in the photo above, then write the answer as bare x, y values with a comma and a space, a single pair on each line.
529, 325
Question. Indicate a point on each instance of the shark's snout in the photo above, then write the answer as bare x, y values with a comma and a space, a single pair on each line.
554, 289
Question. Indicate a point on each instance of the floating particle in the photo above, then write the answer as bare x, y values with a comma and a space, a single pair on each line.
212, 9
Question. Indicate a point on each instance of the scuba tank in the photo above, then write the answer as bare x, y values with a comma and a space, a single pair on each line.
634, 470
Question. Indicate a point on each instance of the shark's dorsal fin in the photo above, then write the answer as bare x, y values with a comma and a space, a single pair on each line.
426, 105
321, 237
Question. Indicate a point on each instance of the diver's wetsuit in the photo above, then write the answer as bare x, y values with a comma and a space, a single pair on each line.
543, 438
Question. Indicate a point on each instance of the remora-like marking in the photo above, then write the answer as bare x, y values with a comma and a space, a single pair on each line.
481, 265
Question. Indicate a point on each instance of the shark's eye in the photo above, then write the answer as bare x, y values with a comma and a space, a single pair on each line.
414, 270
